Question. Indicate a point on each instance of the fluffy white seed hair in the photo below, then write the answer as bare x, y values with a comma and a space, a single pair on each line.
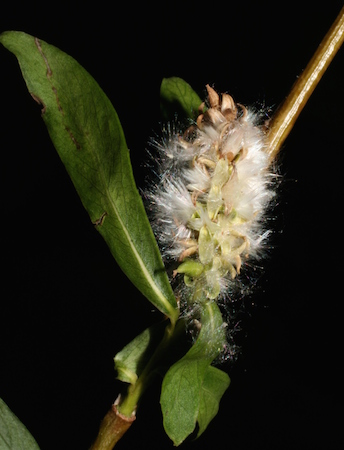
209, 204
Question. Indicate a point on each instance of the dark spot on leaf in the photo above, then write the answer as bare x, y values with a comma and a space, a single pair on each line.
59, 107
38, 45
101, 219
40, 102
75, 142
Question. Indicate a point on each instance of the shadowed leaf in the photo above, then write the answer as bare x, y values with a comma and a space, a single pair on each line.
178, 97
192, 381
13, 434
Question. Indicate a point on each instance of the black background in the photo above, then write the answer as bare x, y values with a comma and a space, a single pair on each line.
66, 308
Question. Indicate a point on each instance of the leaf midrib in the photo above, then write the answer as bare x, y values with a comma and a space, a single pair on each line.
164, 301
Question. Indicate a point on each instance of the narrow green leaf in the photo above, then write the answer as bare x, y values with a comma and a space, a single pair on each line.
190, 382
132, 359
178, 97
13, 434
88, 136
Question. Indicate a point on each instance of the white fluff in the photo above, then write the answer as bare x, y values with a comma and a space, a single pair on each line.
211, 197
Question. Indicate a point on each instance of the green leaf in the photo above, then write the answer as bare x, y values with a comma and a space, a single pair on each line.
178, 97
215, 383
132, 359
13, 434
88, 136
192, 382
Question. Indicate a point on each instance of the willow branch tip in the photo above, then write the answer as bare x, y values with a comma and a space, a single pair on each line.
285, 117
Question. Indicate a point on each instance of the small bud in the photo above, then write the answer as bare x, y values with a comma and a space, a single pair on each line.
189, 267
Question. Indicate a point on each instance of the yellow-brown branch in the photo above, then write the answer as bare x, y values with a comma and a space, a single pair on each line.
284, 119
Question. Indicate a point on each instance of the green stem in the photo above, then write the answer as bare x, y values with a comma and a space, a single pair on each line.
122, 414
129, 403
285, 117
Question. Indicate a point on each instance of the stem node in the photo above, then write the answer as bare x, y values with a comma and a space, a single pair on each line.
112, 428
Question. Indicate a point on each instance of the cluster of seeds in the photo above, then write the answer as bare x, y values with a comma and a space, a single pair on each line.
214, 186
